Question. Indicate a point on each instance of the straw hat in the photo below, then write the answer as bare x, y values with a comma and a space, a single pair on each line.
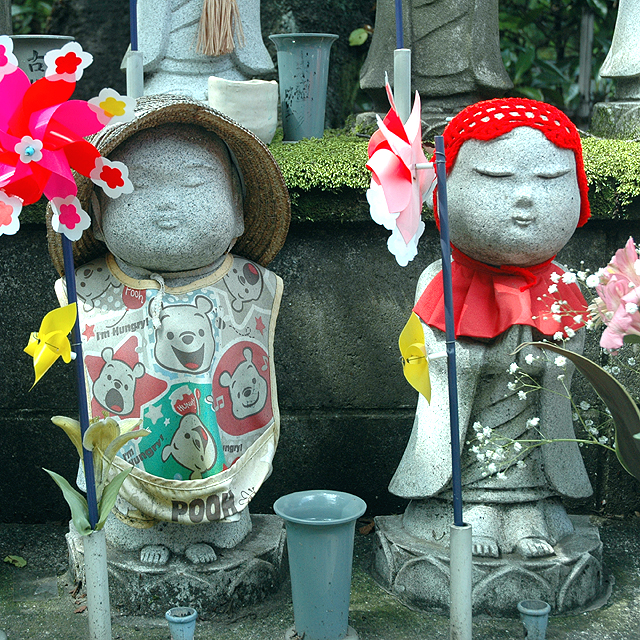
267, 209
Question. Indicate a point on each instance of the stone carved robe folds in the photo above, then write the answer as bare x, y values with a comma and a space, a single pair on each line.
168, 32
554, 469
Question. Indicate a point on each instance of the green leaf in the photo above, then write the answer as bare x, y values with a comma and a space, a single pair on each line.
531, 92
16, 561
624, 410
358, 37
523, 64
631, 339
77, 503
109, 496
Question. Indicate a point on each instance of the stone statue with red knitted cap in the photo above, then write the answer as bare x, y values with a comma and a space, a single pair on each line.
517, 190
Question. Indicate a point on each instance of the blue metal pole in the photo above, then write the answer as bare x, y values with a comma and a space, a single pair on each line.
133, 24
445, 246
399, 28
87, 456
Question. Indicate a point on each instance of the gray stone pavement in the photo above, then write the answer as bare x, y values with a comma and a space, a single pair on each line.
35, 601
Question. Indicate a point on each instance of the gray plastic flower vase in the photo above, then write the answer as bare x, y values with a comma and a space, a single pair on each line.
320, 532
303, 71
182, 622
535, 616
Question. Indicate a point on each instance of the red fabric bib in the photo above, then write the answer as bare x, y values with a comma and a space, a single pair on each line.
488, 300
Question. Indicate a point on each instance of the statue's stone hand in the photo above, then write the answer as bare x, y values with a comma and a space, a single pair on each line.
485, 547
154, 554
534, 548
200, 553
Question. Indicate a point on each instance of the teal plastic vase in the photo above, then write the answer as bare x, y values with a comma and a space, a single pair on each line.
182, 622
303, 70
535, 616
320, 531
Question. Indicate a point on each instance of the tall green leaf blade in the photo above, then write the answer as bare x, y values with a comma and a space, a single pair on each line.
77, 503
109, 496
624, 410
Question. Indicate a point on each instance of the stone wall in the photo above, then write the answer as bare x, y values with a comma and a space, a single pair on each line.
346, 409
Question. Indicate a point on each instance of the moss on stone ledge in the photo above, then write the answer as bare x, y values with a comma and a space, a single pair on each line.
327, 178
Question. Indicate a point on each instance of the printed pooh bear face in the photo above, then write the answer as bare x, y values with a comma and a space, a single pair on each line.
91, 283
184, 340
244, 284
192, 446
247, 388
114, 388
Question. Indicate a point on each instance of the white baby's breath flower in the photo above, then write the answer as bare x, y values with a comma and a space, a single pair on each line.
492, 468
521, 464
477, 426
560, 361
631, 362
568, 277
570, 332
480, 457
615, 370
475, 449
517, 447
533, 422
561, 377
582, 275
588, 423
553, 288
631, 307
501, 475
555, 307
513, 367
529, 358
594, 280
522, 395
603, 439
555, 277
557, 317
558, 335
487, 431
511, 386
577, 319
585, 406
575, 416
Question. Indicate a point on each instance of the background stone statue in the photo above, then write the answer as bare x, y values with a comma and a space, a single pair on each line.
517, 190
173, 63
455, 55
179, 332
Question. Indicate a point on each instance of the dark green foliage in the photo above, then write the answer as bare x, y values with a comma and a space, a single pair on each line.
30, 16
540, 42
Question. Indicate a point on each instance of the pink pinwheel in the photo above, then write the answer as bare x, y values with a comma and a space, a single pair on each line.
42, 132
397, 188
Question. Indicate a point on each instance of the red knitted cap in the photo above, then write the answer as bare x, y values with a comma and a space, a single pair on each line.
492, 118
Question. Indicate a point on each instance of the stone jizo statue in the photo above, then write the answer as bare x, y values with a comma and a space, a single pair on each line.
516, 190
177, 330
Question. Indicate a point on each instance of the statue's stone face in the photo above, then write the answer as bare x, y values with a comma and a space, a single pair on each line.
186, 206
513, 200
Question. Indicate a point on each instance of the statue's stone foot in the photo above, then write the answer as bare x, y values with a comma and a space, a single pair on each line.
154, 554
200, 553
485, 547
533, 548
417, 570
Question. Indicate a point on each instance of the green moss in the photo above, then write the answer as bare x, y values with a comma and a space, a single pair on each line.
327, 178
613, 171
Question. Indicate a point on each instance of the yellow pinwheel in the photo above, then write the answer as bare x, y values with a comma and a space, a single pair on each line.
415, 363
52, 341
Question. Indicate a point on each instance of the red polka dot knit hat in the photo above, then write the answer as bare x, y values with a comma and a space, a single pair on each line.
492, 118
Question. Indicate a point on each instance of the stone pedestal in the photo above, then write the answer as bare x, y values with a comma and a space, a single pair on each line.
416, 571
620, 119
243, 575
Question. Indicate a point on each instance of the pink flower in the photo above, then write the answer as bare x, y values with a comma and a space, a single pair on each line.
9, 211
112, 176
398, 189
68, 63
619, 296
69, 218
8, 61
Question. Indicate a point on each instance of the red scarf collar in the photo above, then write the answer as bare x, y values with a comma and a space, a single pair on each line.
488, 300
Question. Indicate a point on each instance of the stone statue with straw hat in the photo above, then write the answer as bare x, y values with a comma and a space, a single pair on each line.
179, 332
